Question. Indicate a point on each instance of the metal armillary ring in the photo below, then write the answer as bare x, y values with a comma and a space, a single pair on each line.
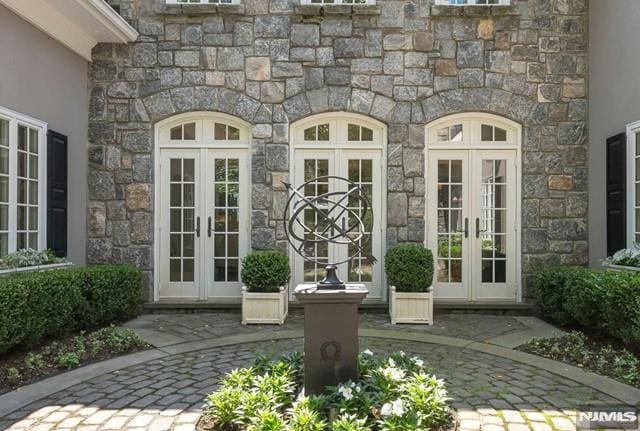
340, 217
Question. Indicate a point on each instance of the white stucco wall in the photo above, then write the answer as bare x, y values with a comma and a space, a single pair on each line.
41, 78
614, 97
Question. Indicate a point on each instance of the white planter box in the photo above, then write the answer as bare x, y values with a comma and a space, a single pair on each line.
621, 268
35, 268
411, 307
264, 308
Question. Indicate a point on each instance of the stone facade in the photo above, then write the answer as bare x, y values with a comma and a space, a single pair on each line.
403, 62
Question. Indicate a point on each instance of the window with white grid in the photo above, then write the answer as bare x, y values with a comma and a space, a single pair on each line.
21, 182
473, 2
330, 2
213, 2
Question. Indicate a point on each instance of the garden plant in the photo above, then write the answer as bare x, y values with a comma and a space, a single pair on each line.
393, 393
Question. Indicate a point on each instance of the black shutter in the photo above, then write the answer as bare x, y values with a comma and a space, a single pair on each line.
57, 193
616, 193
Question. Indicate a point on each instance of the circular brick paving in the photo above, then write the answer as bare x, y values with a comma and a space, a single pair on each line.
490, 392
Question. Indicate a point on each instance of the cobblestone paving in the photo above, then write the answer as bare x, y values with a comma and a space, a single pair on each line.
198, 326
490, 393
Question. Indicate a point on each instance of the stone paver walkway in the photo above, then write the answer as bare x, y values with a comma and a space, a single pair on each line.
491, 392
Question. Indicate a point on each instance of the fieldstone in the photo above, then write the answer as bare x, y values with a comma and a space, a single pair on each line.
393, 63
272, 92
395, 178
416, 206
351, 47
383, 84
277, 157
242, 33
136, 141
397, 209
368, 66
423, 41
573, 88
397, 41
382, 107
418, 77
145, 54
361, 100
486, 29
246, 108
99, 250
187, 58
263, 239
373, 43
560, 182
305, 35
471, 78
318, 100
138, 197
96, 219
336, 27
285, 70
141, 228
101, 185
470, 54
561, 64
413, 162
324, 56
499, 61
568, 229
313, 78
139, 256
337, 75
229, 58
534, 241
444, 67
572, 133
192, 35
272, 26
258, 68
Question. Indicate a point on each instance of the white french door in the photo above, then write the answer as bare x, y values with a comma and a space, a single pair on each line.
473, 224
364, 168
204, 223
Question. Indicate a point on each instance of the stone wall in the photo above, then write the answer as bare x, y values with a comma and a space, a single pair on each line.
405, 63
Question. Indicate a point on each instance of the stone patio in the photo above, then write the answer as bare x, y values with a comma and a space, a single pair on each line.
493, 389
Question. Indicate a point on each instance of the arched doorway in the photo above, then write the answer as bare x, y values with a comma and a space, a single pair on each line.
352, 146
473, 207
202, 207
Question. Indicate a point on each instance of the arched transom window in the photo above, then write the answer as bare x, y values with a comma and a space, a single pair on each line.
204, 130
347, 131
479, 130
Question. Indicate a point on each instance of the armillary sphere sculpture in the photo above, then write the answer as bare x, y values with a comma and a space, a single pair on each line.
340, 217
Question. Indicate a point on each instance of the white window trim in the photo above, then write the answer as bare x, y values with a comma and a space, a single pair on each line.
15, 119
446, 3
632, 130
338, 2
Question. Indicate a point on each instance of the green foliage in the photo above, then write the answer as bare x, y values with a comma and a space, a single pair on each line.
29, 257
265, 271
114, 340
68, 360
13, 376
576, 349
605, 301
34, 361
409, 268
394, 393
37, 305
626, 257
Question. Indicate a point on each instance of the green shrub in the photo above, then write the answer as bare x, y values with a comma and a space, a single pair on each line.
265, 271
29, 257
409, 268
604, 301
37, 305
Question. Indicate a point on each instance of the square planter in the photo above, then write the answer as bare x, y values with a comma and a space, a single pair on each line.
37, 268
411, 307
618, 268
264, 308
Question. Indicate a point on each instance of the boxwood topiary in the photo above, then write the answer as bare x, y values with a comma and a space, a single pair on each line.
409, 268
265, 271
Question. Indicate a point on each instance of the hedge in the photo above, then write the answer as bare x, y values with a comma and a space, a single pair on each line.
409, 267
605, 301
265, 271
37, 305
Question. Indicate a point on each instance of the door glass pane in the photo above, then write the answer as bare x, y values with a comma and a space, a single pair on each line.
182, 203
226, 224
220, 132
359, 269
190, 132
323, 132
493, 220
315, 168
450, 221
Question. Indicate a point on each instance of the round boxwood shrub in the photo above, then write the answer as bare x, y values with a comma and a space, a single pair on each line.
265, 271
409, 268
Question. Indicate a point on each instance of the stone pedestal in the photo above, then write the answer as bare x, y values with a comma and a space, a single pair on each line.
330, 335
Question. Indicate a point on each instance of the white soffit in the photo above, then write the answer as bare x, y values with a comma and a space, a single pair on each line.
78, 24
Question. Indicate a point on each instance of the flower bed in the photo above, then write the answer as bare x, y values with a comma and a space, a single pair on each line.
393, 393
578, 349
23, 367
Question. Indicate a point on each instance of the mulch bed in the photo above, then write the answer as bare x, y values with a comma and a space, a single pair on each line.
46, 364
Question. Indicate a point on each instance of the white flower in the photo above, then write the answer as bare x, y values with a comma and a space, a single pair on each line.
394, 408
358, 389
393, 373
392, 363
402, 354
346, 392
397, 407
368, 352
419, 362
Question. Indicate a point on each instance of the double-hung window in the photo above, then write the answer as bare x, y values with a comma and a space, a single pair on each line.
22, 182
633, 183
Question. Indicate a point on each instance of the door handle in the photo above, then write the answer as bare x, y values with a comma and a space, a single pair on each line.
209, 227
478, 231
466, 228
198, 227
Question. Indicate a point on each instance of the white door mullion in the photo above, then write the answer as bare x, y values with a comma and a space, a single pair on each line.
13, 185
203, 209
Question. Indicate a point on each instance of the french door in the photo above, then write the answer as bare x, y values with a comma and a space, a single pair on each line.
473, 224
204, 222
363, 168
